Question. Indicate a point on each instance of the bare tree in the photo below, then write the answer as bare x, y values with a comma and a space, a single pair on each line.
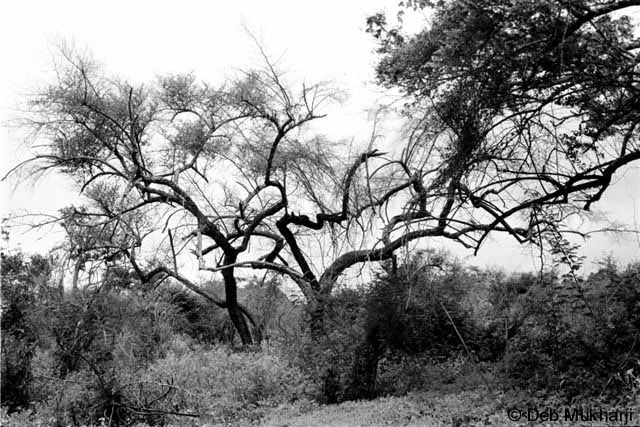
207, 162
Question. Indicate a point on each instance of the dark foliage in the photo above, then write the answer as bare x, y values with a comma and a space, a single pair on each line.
418, 307
198, 319
22, 281
578, 339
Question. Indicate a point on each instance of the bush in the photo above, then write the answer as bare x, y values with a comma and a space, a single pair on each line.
198, 318
416, 306
579, 340
91, 344
218, 384
22, 280
399, 374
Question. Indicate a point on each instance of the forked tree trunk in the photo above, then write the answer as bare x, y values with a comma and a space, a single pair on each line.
231, 294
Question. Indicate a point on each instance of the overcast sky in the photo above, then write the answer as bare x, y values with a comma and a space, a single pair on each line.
139, 40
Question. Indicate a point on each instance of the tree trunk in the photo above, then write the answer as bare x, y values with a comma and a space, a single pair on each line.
231, 294
365, 367
238, 320
317, 314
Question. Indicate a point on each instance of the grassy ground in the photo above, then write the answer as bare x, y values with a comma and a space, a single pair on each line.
478, 408
432, 409
411, 410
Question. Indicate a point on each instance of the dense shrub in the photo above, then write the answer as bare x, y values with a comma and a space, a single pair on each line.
218, 384
274, 316
96, 338
579, 338
399, 374
22, 280
410, 311
88, 341
117, 355
278, 319
418, 306
328, 360
198, 318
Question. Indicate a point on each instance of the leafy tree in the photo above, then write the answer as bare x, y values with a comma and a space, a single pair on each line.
528, 106
520, 113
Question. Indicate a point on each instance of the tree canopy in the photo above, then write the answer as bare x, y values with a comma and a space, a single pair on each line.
523, 111
519, 115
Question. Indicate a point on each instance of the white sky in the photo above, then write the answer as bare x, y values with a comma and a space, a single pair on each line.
142, 39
